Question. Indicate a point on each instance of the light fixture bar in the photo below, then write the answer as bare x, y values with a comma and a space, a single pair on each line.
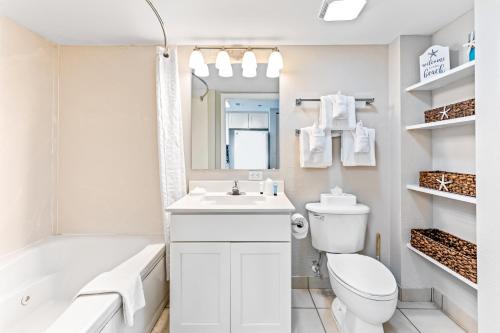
274, 48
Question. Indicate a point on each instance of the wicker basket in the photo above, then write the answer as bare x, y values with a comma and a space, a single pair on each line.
457, 254
459, 183
457, 110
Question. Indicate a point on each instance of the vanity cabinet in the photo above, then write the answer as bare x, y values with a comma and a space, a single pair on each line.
230, 273
230, 287
200, 285
260, 287
230, 260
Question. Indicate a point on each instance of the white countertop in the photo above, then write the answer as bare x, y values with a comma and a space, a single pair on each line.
221, 202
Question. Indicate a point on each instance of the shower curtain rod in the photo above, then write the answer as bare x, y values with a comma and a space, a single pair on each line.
165, 54
204, 83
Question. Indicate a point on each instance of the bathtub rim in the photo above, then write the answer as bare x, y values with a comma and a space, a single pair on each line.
100, 309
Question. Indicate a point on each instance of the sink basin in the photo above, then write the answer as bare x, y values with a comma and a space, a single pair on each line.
214, 199
233, 200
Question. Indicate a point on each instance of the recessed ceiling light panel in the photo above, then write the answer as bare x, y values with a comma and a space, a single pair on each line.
341, 10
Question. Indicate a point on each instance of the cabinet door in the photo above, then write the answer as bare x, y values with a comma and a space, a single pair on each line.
260, 288
258, 120
238, 120
200, 288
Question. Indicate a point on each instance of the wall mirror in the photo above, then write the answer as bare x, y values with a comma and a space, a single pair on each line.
235, 121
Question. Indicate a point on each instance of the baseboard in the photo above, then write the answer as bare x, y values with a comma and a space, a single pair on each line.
454, 311
415, 294
310, 282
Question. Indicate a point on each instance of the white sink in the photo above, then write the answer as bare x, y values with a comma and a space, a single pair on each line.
244, 199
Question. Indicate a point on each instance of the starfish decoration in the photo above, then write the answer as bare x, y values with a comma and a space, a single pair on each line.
433, 53
442, 183
444, 113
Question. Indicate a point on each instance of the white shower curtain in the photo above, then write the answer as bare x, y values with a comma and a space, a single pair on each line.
170, 138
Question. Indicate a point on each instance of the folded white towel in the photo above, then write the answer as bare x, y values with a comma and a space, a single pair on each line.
125, 283
340, 105
317, 139
361, 139
348, 123
309, 159
350, 158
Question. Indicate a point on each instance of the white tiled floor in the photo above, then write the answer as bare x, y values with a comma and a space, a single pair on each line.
311, 314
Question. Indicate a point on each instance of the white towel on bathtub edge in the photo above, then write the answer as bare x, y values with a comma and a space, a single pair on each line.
128, 285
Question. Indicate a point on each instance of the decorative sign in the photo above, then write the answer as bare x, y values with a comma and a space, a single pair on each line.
435, 61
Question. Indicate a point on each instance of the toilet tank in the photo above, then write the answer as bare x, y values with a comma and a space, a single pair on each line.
338, 229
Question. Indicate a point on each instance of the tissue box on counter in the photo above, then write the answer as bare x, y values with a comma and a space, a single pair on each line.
343, 199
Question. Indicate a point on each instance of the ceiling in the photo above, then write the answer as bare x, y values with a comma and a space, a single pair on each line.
279, 22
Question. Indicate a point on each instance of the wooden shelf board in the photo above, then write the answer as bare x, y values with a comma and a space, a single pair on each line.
443, 267
448, 195
444, 123
455, 74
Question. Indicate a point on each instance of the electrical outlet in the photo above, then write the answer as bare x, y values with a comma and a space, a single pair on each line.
254, 175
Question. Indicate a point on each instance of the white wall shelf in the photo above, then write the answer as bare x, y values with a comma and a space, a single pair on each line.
453, 196
443, 267
455, 74
443, 124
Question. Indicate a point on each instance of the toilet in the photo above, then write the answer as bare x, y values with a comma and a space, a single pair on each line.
366, 291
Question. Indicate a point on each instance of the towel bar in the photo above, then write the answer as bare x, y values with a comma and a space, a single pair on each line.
335, 134
299, 101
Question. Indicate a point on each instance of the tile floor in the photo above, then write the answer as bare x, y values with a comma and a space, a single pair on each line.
311, 314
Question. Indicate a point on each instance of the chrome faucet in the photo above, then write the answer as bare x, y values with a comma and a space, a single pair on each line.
235, 190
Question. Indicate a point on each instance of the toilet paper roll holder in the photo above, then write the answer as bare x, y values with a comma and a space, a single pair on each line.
299, 224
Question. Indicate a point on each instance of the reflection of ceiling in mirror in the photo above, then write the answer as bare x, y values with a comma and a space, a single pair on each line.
240, 104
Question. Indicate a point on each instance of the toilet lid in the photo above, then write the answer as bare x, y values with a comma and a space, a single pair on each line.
364, 275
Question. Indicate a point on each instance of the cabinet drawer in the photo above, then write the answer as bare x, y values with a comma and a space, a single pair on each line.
230, 228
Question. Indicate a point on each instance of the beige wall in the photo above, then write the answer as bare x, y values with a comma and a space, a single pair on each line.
108, 171
108, 168
312, 71
108, 165
28, 110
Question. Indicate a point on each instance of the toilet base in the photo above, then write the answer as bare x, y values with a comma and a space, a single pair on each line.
347, 322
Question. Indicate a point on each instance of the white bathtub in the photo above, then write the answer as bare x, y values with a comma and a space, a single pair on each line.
38, 284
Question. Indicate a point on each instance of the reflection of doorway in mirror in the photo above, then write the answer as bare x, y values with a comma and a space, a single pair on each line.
249, 131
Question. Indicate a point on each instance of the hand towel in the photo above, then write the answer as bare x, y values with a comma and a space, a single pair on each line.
309, 159
351, 158
348, 123
340, 105
361, 139
325, 112
317, 139
125, 283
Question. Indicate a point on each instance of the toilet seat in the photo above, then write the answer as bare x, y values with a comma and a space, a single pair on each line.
363, 275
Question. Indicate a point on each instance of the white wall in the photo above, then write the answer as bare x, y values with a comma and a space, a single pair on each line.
312, 71
488, 162
28, 114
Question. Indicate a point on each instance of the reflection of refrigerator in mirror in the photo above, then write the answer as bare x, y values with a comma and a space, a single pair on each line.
250, 149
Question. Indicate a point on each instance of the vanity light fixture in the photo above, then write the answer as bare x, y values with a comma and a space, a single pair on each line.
341, 10
196, 60
223, 64
274, 64
249, 64
223, 61
202, 71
